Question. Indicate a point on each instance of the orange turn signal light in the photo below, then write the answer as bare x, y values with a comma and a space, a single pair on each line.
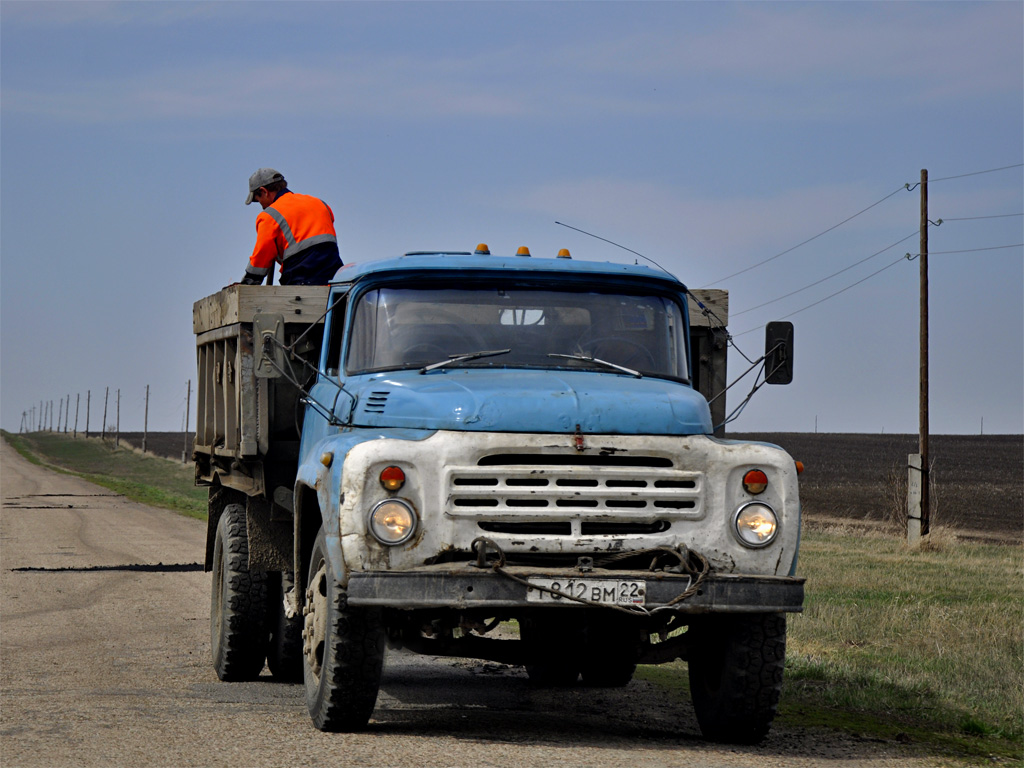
392, 478
799, 467
755, 481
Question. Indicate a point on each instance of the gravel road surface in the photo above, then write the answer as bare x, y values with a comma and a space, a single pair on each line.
104, 661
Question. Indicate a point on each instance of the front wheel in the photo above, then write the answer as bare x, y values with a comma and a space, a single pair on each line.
342, 651
736, 675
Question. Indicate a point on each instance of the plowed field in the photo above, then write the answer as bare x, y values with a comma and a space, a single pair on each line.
857, 479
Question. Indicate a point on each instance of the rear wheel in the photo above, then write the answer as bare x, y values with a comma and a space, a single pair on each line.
552, 642
284, 654
736, 676
609, 653
238, 601
343, 650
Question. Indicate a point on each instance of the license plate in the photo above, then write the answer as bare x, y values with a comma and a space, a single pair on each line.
601, 591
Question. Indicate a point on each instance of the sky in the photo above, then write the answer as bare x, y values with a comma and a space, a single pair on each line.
772, 149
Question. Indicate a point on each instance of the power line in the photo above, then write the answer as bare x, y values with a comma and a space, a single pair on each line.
833, 295
908, 256
976, 218
975, 173
808, 240
908, 187
973, 250
834, 274
890, 247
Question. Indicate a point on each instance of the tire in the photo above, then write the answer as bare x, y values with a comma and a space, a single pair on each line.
238, 603
610, 673
343, 650
736, 676
609, 653
545, 675
552, 643
284, 652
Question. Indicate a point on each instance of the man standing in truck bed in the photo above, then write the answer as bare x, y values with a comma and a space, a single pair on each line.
295, 230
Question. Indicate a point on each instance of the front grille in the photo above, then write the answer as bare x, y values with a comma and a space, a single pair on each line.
548, 494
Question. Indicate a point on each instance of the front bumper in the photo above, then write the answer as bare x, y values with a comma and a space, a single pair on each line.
466, 586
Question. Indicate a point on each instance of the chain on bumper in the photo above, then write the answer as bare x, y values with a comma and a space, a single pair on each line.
688, 562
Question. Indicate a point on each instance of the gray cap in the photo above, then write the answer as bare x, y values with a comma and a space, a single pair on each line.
262, 178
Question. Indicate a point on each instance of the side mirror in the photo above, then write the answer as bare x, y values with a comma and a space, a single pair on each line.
268, 346
778, 353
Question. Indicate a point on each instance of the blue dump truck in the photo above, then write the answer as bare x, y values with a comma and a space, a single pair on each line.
502, 458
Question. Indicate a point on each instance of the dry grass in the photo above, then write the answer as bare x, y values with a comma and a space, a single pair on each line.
931, 636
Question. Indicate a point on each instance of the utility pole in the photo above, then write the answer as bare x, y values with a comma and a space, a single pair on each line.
117, 429
67, 412
919, 472
923, 448
78, 399
88, 401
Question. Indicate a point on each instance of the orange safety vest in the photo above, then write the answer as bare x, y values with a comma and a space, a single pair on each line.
289, 226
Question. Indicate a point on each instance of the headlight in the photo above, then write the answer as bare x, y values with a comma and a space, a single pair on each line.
392, 522
756, 524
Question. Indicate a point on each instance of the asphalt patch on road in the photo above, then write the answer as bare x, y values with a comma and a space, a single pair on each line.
132, 568
20, 502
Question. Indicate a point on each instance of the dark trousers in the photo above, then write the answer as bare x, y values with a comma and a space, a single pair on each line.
314, 266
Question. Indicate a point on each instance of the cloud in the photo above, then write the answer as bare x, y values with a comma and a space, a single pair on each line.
93, 14
341, 87
752, 61
973, 46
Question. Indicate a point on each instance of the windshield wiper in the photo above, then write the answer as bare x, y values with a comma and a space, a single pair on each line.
452, 359
589, 359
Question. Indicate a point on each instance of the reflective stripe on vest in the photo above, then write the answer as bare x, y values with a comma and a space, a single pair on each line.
294, 246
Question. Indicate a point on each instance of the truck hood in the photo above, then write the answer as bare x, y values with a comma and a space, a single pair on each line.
529, 401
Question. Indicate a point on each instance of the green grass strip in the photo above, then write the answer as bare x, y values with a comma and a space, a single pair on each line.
140, 477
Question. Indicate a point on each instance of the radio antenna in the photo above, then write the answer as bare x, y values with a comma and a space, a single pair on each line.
705, 309
617, 245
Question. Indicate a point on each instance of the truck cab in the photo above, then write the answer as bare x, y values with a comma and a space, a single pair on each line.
514, 459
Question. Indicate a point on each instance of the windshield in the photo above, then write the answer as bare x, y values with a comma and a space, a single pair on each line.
396, 328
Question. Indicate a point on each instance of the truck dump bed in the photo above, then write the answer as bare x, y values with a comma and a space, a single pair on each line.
242, 419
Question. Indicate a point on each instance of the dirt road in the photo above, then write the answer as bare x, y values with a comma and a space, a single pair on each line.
104, 661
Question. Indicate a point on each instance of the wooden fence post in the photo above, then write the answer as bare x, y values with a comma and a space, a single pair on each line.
145, 421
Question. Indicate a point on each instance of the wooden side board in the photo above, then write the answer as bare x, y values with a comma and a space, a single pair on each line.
238, 304
717, 301
305, 303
